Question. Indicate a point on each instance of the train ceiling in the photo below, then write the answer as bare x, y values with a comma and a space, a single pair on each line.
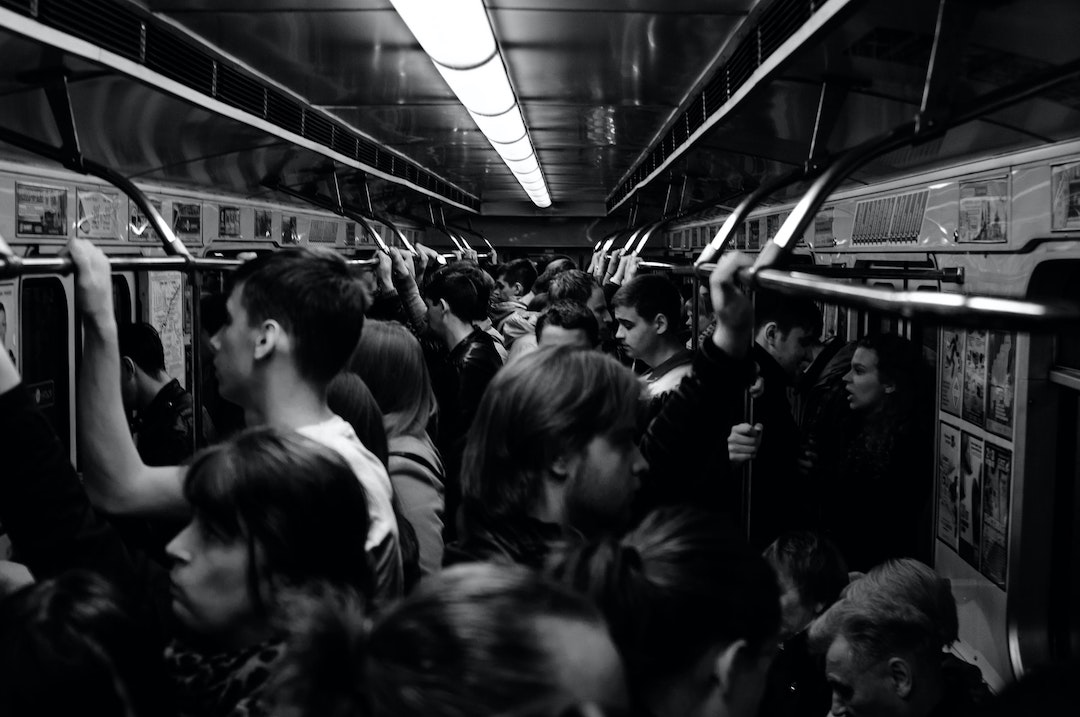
635, 107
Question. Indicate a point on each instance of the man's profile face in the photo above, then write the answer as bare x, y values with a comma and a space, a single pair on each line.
635, 333
792, 349
858, 690
504, 291
234, 349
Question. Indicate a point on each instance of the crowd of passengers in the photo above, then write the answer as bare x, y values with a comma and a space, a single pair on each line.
451, 491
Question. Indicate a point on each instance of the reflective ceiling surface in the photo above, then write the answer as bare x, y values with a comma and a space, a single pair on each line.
597, 79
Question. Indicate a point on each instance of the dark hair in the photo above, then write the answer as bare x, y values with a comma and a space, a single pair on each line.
569, 315
899, 361
74, 641
553, 269
315, 298
463, 288
391, 362
544, 405
787, 312
296, 503
349, 397
519, 271
812, 563
571, 285
673, 587
650, 295
142, 344
469, 641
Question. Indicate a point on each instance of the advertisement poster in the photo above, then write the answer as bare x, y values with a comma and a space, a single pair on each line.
229, 222
322, 232
288, 230
42, 211
952, 370
350, 233
948, 487
970, 508
166, 292
975, 377
1001, 388
141, 229
187, 222
995, 550
264, 226
753, 234
1065, 188
9, 322
99, 214
824, 237
984, 211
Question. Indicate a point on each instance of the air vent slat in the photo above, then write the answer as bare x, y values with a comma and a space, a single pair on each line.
178, 60
284, 111
23, 6
108, 25
239, 90
317, 127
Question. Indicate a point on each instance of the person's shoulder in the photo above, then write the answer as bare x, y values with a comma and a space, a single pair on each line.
337, 434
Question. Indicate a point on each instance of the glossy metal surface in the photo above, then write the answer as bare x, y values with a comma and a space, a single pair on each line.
597, 79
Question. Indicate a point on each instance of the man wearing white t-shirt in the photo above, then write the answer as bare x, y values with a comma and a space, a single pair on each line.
293, 320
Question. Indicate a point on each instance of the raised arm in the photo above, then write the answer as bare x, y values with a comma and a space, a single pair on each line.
116, 478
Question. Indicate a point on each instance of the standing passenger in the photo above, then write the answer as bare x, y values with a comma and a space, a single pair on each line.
293, 319
647, 312
785, 329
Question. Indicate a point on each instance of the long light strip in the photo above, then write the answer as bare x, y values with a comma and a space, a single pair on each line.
457, 36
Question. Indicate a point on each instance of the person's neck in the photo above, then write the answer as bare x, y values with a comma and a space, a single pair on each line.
930, 693
150, 387
662, 353
286, 400
455, 332
525, 298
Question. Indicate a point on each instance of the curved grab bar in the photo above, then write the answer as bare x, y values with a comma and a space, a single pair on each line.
747, 205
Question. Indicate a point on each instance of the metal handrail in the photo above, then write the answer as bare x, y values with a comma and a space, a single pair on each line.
951, 309
13, 267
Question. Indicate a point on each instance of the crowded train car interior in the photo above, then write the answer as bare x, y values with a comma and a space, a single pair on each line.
838, 243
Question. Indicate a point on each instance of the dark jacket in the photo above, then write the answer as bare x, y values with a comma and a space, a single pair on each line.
501, 539
164, 429
779, 496
796, 685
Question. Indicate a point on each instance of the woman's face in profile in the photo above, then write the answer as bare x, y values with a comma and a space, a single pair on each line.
863, 381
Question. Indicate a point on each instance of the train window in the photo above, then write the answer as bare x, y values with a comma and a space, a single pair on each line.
45, 350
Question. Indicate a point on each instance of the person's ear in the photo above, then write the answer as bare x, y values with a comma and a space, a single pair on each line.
271, 337
772, 332
563, 467
519, 290
127, 366
444, 306
902, 677
660, 323
727, 666
889, 387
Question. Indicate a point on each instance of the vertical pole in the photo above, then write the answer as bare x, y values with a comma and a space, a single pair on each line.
195, 280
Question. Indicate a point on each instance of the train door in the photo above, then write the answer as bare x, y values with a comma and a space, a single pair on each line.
46, 324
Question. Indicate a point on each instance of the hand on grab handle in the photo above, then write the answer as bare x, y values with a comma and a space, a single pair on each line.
93, 279
733, 308
743, 442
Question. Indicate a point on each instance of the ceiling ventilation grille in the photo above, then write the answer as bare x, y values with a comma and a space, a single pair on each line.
777, 22
119, 28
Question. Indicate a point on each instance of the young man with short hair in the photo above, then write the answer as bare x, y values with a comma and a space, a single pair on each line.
566, 323
293, 320
648, 310
514, 281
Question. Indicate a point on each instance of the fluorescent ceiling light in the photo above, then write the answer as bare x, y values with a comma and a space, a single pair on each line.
453, 33
505, 128
457, 35
484, 90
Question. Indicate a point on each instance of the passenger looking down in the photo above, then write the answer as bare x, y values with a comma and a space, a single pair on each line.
391, 362
474, 640
556, 450
514, 283
884, 643
273, 512
812, 575
649, 328
784, 330
566, 323
874, 464
294, 318
693, 612
523, 323
163, 415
